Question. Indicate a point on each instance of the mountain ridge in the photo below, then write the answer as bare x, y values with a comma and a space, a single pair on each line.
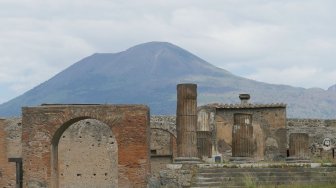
332, 88
148, 73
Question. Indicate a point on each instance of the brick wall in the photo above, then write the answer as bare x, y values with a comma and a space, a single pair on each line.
10, 147
43, 126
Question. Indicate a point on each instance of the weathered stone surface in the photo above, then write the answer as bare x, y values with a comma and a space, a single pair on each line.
266, 121
163, 142
167, 123
318, 130
186, 120
299, 145
178, 177
88, 156
242, 136
10, 147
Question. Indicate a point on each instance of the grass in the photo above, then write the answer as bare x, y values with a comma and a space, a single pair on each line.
249, 182
297, 186
322, 160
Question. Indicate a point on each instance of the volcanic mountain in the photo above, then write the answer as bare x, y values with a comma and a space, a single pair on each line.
148, 74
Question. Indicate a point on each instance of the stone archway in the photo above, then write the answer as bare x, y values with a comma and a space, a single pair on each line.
44, 125
171, 141
171, 128
163, 149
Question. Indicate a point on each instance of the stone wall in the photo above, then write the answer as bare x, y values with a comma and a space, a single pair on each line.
319, 131
163, 142
167, 123
267, 124
311, 122
88, 156
10, 147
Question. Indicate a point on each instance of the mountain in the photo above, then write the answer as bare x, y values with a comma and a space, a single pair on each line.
148, 74
332, 88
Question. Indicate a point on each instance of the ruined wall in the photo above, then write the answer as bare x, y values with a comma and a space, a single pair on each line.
319, 132
88, 156
163, 142
268, 131
43, 126
10, 147
10, 142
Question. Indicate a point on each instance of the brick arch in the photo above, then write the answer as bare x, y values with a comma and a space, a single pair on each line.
44, 125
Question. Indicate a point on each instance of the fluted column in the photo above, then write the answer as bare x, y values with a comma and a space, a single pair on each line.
186, 120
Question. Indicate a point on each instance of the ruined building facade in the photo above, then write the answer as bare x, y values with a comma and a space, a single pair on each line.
77, 146
256, 131
122, 146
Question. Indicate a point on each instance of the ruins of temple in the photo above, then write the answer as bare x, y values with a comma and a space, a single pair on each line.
255, 131
58, 145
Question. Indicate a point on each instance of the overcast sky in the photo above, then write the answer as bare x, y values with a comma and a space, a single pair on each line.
276, 41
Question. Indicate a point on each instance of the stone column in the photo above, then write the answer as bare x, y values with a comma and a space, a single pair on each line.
186, 122
299, 145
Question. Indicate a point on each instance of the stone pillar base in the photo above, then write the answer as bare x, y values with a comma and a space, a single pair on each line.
242, 160
187, 160
297, 160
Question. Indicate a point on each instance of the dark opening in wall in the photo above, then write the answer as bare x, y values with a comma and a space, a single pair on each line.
153, 151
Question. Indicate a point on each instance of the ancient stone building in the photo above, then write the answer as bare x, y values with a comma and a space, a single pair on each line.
256, 131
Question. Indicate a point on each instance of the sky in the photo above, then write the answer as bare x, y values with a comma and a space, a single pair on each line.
290, 42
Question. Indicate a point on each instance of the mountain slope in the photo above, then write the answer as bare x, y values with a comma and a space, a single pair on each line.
332, 88
148, 74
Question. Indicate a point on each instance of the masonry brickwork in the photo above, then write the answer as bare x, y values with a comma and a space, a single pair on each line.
43, 126
10, 147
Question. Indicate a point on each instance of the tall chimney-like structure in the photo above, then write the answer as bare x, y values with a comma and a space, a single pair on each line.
186, 123
244, 98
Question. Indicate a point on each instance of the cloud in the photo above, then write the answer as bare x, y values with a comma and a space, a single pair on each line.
302, 76
253, 38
